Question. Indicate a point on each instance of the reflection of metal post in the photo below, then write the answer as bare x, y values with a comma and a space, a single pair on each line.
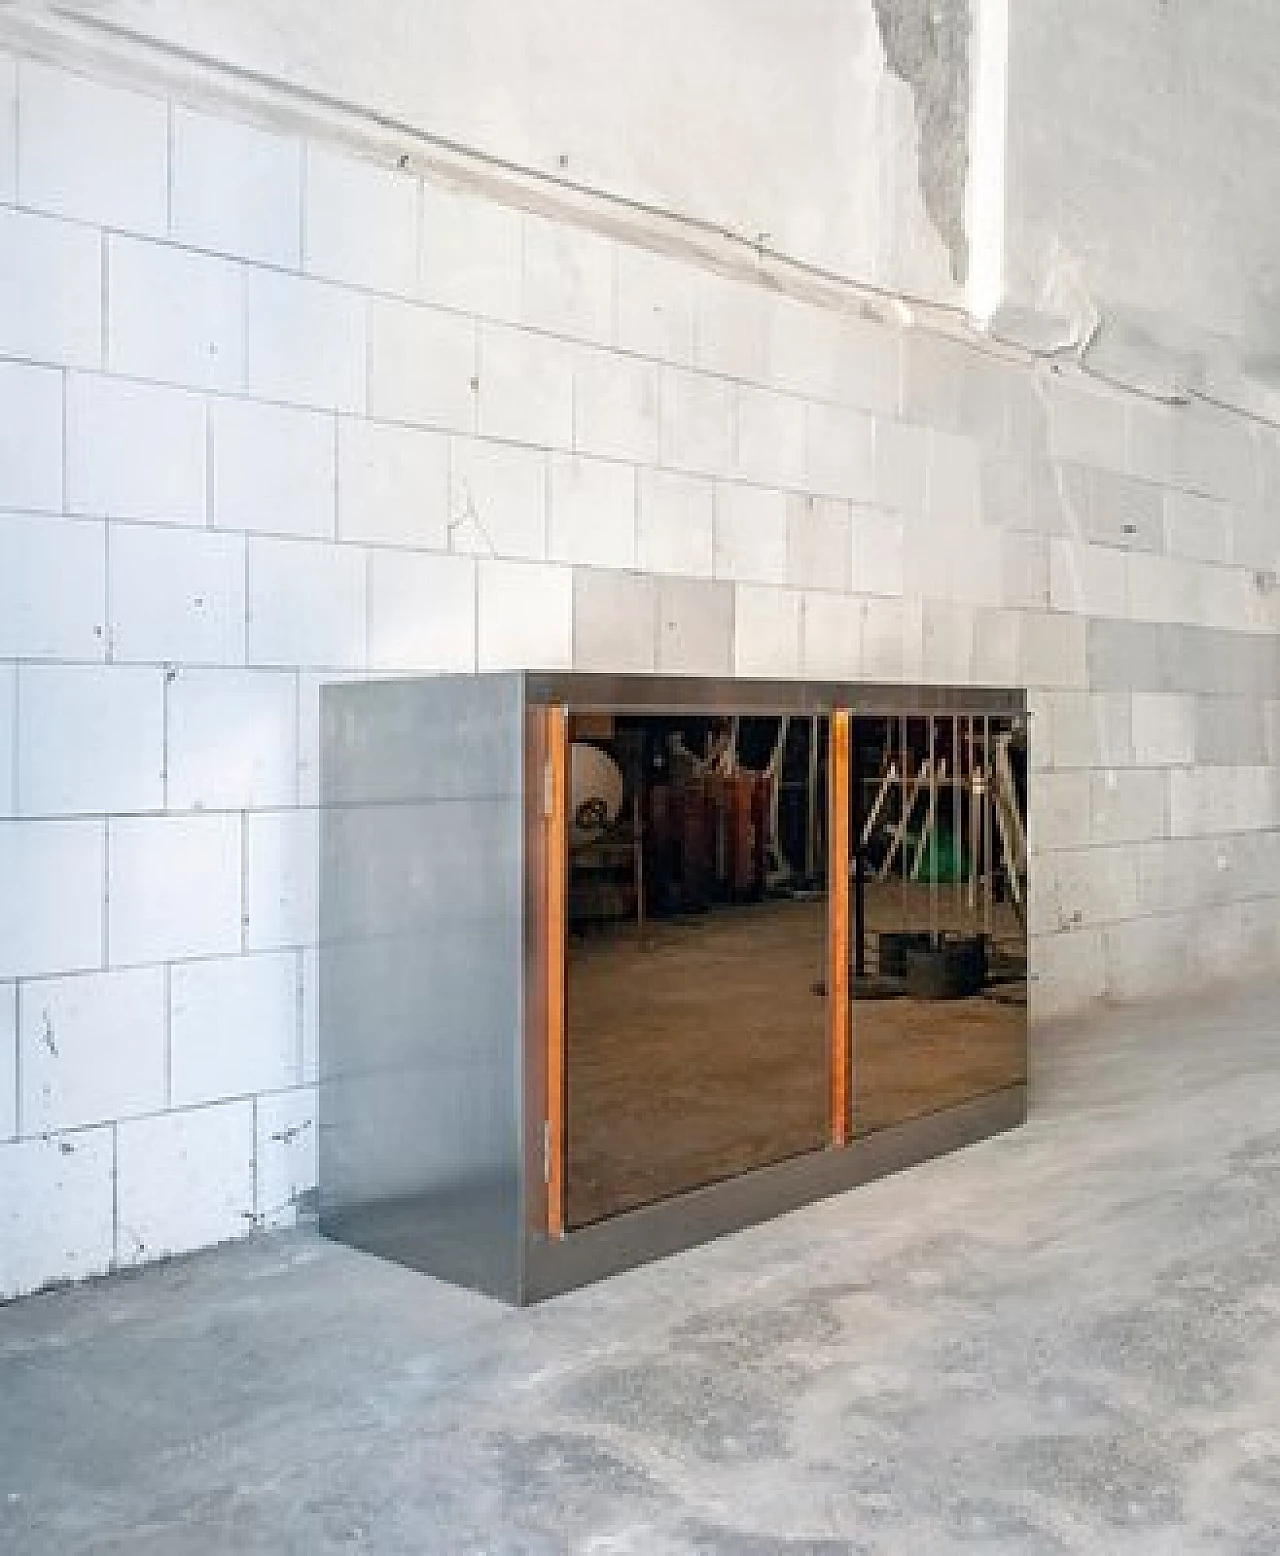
930, 839
987, 860
811, 819
859, 840
957, 828
840, 1010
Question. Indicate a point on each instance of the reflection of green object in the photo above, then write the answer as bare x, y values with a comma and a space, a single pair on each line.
943, 862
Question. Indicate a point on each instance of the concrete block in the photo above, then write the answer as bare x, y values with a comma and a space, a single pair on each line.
90, 740
53, 589
1091, 729
273, 469
751, 534
814, 352
1087, 580
184, 1181
8, 129
8, 744
31, 426
497, 500
948, 385
842, 453
306, 604
1164, 729
234, 1024
8, 1059
593, 512
422, 612
1271, 720
135, 451
832, 640
1054, 651
767, 632
877, 553
996, 647
1087, 424
675, 523
1025, 571
1185, 874
1204, 801
305, 342
1083, 889
772, 436
695, 627
1197, 527
281, 863
699, 423
393, 484
891, 646
526, 388
96, 152
1130, 656
1128, 805
422, 366
953, 492
1031, 494
1252, 539
731, 327
902, 466
51, 915
177, 596
655, 305
1059, 812
567, 283
286, 1167
1216, 453
174, 316
93, 1048
56, 1210
1068, 972
948, 643
1147, 957
361, 223
236, 189
309, 963
819, 543
1230, 732
232, 739
174, 885
1120, 511
525, 616
959, 564
1152, 433
471, 253
50, 289
615, 618
616, 406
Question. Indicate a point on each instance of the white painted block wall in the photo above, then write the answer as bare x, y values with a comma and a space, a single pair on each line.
271, 415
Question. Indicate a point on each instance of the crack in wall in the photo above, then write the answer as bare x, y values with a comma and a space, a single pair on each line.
927, 45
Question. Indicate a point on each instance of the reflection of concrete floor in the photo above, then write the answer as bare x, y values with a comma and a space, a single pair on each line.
1063, 1342
703, 1052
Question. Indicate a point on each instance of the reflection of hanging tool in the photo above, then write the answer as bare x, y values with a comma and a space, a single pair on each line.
1013, 836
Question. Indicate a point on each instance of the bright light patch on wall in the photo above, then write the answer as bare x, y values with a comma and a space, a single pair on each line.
989, 149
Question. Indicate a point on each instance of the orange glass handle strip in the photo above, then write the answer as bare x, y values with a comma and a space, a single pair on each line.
840, 1009
557, 863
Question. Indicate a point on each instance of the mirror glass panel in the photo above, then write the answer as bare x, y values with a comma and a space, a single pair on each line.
696, 1032
938, 902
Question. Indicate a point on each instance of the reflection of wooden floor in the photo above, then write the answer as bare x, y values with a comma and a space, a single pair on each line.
704, 1053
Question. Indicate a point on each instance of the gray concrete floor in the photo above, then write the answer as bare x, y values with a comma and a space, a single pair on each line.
1067, 1339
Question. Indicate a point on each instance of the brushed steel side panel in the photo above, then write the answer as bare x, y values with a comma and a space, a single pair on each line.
421, 931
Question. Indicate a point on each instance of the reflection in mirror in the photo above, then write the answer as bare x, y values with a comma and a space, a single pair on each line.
696, 1042
939, 918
